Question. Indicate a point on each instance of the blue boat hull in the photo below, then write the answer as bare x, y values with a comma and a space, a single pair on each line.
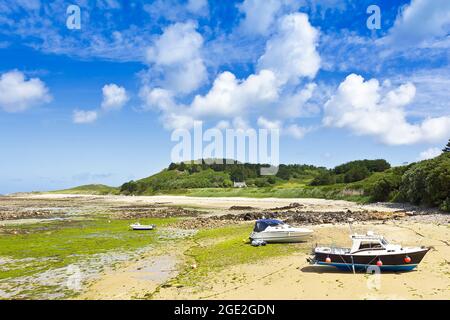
359, 267
390, 262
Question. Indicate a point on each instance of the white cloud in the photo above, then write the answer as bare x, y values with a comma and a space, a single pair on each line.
114, 97
367, 108
274, 89
18, 94
82, 117
173, 116
240, 123
177, 120
295, 131
294, 106
269, 124
230, 97
197, 6
419, 22
176, 55
176, 10
157, 98
430, 153
222, 124
432, 98
259, 15
291, 52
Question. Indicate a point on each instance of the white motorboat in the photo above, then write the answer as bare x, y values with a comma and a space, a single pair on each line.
138, 226
270, 230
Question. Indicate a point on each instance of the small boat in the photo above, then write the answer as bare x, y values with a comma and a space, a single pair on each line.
270, 230
138, 226
369, 250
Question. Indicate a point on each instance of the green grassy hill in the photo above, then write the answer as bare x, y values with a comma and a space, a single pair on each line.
95, 189
424, 183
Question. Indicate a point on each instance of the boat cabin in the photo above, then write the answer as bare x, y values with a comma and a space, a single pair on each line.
370, 241
262, 224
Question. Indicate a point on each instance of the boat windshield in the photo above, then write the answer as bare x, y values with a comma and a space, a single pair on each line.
261, 225
384, 242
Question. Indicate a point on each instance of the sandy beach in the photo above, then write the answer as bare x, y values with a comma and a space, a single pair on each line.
223, 202
291, 277
164, 272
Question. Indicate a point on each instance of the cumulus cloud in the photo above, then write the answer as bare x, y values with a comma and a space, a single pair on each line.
83, 117
294, 105
114, 97
240, 123
296, 131
176, 56
292, 130
259, 15
289, 55
157, 98
368, 108
176, 120
18, 94
291, 52
174, 116
231, 97
275, 89
430, 153
420, 21
269, 124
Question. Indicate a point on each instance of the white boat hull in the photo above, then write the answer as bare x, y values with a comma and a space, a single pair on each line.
141, 227
282, 236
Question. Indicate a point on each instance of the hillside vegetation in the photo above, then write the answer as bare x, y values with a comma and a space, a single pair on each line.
423, 183
96, 189
180, 176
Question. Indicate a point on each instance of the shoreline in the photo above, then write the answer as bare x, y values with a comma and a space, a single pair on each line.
212, 236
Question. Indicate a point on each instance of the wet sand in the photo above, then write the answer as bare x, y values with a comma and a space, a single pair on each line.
309, 204
284, 277
291, 277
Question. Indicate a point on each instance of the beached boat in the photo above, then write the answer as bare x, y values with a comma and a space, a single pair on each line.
369, 250
138, 226
270, 230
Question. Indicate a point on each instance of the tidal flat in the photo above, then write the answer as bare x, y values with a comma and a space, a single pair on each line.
81, 247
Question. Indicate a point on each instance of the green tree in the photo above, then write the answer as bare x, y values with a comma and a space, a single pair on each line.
324, 178
356, 173
428, 182
447, 147
182, 166
173, 166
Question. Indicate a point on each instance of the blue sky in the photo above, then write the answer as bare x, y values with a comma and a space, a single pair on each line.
99, 104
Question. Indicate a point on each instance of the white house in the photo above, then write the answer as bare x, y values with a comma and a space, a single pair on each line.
240, 184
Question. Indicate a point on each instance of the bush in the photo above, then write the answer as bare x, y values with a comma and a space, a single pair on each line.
323, 179
428, 182
385, 189
378, 165
356, 173
129, 188
445, 205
